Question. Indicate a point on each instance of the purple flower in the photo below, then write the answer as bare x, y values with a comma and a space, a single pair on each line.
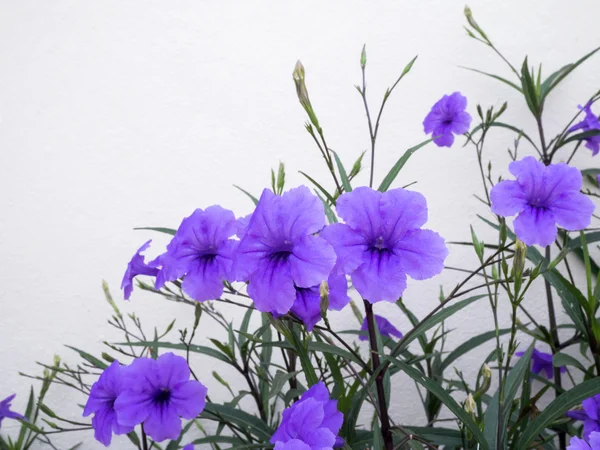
136, 267
312, 423
280, 251
542, 362
590, 415
159, 392
6, 413
543, 197
307, 305
385, 328
579, 444
189, 447
381, 242
447, 118
202, 251
589, 123
101, 402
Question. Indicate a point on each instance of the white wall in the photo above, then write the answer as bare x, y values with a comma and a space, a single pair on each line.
119, 114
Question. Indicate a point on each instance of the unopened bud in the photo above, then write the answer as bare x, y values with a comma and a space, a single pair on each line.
363, 56
324, 294
520, 255
470, 404
486, 371
302, 92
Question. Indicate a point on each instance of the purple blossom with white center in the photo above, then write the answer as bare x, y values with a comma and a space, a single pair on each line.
6, 413
447, 118
385, 328
543, 197
589, 123
312, 423
135, 267
101, 403
542, 362
307, 305
280, 250
159, 392
589, 415
579, 444
382, 241
202, 251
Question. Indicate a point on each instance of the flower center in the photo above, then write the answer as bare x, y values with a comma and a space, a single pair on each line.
282, 253
379, 245
162, 396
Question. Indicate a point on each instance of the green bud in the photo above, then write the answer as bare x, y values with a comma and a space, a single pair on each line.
470, 404
47, 410
363, 57
107, 357
519, 260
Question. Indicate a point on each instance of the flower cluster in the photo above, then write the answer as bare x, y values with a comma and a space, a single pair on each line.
155, 393
312, 423
542, 197
285, 251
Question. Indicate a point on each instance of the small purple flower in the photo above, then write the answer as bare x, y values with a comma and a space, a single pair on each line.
101, 402
159, 392
312, 423
447, 118
136, 267
589, 415
307, 305
280, 251
542, 362
202, 251
385, 328
543, 197
6, 413
579, 444
382, 241
589, 123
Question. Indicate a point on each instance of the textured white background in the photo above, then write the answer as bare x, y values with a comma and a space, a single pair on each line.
119, 114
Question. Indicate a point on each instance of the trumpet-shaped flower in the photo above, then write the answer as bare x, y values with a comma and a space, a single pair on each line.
579, 444
280, 250
542, 197
6, 413
101, 403
589, 415
589, 123
307, 305
447, 118
312, 423
382, 241
135, 267
202, 251
159, 392
385, 328
542, 362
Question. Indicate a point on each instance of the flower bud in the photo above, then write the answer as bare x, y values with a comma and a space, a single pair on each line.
324, 294
302, 92
519, 261
470, 404
363, 57
486, 372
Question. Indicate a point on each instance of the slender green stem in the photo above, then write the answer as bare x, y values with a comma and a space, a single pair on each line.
144, 439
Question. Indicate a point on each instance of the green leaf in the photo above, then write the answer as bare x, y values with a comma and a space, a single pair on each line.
447, 437
554, 79
496, 77
89, 358
437, 390
557, 408
321, 188
562, 360
469, 345
328, 211
193, 348
343, 174
395, 170
529, 91
250, 196
159, 229
244, 328
217, 440
279, 381
320, 347
246, 421
580, 137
